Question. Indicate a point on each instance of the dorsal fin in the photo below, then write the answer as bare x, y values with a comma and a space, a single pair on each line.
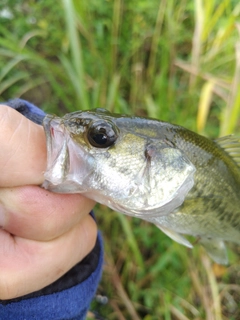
231, 145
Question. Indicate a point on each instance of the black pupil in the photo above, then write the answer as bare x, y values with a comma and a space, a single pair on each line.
100, 138
101, 135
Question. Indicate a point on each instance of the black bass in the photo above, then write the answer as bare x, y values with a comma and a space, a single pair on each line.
182, 182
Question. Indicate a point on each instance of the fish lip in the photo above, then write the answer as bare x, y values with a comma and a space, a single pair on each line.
57, 150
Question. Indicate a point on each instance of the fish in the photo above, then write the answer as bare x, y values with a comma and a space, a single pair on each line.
184, 183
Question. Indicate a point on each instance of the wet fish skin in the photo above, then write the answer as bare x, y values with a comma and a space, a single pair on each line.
163, 173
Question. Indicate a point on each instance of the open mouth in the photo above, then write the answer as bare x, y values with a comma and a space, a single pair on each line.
57, 150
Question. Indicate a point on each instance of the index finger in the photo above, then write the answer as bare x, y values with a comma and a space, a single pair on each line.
23, 150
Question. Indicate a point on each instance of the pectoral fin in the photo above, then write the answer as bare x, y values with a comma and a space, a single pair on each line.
216, 250
175, 236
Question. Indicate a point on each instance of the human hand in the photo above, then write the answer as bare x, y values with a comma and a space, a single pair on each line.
42, 235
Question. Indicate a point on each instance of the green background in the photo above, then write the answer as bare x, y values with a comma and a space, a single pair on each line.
177, 61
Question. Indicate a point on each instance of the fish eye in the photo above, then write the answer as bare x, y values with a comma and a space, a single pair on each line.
102, 134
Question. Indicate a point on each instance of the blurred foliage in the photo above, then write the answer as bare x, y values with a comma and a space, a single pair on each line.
178, 61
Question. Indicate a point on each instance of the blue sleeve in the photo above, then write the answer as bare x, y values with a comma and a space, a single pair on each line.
71, 295
71, 303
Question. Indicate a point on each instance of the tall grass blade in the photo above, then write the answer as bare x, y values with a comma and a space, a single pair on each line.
131, 240
214, 288
29, 86
69, 68
232, 111
9, 66
6, 84
204, 105
78, 72
197, 39
155, 40
213, 18
112, 94
116, 23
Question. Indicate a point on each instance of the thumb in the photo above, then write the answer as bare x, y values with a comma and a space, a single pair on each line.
23, 150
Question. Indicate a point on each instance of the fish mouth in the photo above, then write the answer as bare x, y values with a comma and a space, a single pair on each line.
57, 150
68, 164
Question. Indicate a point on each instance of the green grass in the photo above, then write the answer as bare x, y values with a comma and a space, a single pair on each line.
177, 61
